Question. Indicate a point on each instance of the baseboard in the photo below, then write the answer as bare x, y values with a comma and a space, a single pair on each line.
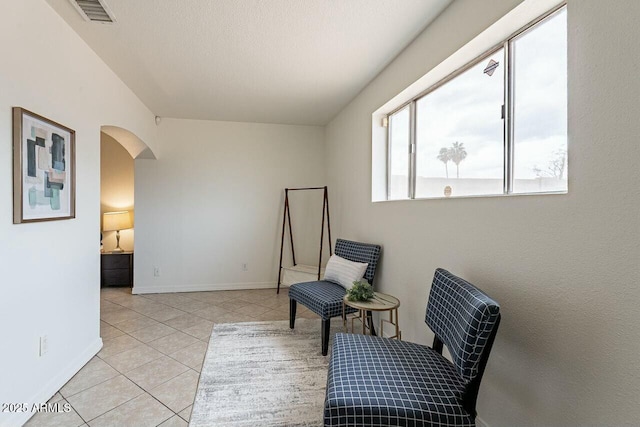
481, 423
52, 387
141, 289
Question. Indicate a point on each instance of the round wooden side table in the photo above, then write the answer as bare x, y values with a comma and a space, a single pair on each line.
379, 302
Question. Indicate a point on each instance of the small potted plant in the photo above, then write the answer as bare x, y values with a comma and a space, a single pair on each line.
360, 291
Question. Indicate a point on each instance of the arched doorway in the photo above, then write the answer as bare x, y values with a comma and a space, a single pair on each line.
118, 150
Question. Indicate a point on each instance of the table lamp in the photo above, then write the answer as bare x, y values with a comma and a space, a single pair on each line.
116, 221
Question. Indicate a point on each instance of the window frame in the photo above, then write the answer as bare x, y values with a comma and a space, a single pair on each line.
507, 114
389, 149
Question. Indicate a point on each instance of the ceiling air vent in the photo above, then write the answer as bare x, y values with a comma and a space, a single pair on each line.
94, 11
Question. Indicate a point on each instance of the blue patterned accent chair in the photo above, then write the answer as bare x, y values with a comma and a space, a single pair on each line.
376, 381
325, 298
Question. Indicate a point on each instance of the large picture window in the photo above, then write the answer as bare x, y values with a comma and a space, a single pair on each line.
496, 126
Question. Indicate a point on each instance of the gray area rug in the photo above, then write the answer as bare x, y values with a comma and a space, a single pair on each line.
263, 374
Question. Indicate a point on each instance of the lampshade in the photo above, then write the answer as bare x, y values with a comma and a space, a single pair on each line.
112, 221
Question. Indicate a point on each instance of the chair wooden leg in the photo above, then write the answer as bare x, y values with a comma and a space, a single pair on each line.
293, 304
326, 326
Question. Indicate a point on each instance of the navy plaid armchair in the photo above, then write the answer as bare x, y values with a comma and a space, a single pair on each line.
325, 298
375, 381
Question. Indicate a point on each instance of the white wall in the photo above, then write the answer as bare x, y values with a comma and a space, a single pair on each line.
116, 189
213, 200
50, 270
564, 268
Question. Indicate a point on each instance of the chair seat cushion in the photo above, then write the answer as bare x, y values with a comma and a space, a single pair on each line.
375, 381
322, 297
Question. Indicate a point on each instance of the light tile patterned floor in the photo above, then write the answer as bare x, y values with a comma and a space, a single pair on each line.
147, 372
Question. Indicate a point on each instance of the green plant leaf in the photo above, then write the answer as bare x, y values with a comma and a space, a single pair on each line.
360, 291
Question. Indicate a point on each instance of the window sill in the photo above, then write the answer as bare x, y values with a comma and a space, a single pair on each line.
483, 196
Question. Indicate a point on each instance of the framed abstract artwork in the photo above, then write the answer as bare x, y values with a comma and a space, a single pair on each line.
44, 187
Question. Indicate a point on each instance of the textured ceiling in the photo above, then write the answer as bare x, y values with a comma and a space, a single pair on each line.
270, 61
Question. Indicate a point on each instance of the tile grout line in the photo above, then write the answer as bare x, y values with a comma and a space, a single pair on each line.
145, 391
117, 406
76, 411
163, 354
148, 392
240, 295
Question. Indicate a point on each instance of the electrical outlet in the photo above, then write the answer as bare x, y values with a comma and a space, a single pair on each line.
156, 271
245, 266
44, 345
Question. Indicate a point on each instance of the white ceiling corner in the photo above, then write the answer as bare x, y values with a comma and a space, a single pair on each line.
275, 61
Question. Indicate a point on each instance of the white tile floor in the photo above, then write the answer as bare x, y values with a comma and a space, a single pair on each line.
147, 372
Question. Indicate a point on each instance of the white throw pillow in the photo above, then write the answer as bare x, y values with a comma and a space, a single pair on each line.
344, 272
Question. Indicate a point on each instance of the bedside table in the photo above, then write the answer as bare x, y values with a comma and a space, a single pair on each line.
380, 302
116, 269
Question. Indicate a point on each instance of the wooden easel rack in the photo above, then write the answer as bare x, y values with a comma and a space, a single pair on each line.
301, 270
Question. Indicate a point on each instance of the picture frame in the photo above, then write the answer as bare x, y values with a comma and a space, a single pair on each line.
44, 169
